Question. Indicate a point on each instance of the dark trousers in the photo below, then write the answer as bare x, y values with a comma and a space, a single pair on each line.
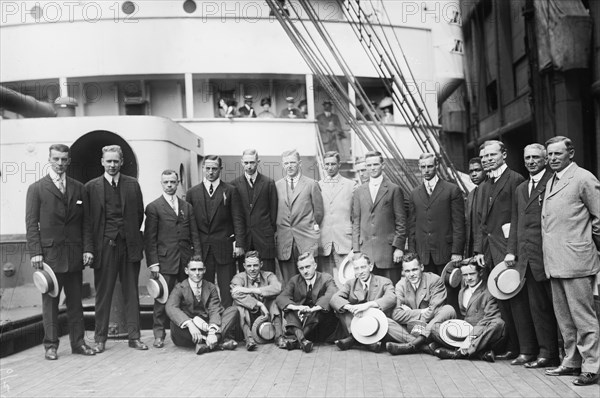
288, 267
160, 320
542, 313
392, 274
114, 263
229, 319
520, 331
71, 282
224, 273
317, 326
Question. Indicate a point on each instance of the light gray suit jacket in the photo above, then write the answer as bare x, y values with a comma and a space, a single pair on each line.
571, 225
336, 228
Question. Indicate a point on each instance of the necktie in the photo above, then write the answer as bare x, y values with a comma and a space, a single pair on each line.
309, 301
251, 183
366, 290
531, 186
554, 179
61, 186
172, 203
210, 190
292, 184
198, 291
429, 189
113, 184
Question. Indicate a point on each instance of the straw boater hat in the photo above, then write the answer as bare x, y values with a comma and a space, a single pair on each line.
506, 282
263, 330
45, 280
158, 289
371, 327
454, 331
451, 274
346, 269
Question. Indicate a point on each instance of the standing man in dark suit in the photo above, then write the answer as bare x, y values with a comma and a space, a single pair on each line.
491, 245
219, 219
171, 237
247, 110
571, 238
436, 219
477, 176
59, 235
299, 214
305, 305
258, 198
525, 246
379, 220
116, 216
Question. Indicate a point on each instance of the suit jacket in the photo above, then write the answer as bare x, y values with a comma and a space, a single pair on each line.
571, 225
482, 308
245, 112
470, 220
268, 284
296, 290
57, 226
171, 238
217, 228
132, 207
381, 290
336, 228
525, 239
180, 304
260, 214
496, 203
436, 222
430, 293
297, 216
379, 227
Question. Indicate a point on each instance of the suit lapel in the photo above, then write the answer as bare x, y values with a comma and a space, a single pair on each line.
562, 182
474, 297
123, 193
49, 186
497, 187
298, 188
423, 194
539, 188
167, 209
218, 198
383, 190
258, 186
436, 191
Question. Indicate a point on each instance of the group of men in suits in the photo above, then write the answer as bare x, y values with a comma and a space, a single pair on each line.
302, 223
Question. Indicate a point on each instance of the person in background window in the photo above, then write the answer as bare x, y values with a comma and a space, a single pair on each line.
265, 103
291, 112
303, 106
247, 110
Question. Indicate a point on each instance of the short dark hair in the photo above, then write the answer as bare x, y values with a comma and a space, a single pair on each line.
60, 148
410, 256
332, 154
560, 138
372, 154
475, 160
252, 254
195, 258
213, 157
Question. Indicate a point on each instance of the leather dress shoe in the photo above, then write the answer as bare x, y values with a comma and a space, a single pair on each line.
446, 353
138, 345
375, 347
306, 345
51, 354
346, 343
229, 345
83, 349
429, 348
100, 347
158, 342
542, 363
281, 342
201, 348
586, 378
522, 359
563, 371
507, 355
400, 349
250, 344
487, 356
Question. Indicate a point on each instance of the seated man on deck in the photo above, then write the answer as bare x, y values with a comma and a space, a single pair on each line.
305, 305
479, 308
421, 305
197, 316
254, 292
361, 293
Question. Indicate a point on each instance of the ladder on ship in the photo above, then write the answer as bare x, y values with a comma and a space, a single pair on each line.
314, 43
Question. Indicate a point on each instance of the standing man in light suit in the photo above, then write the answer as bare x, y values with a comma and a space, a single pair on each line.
336, 229
379, 220
116, 216
299, 214
58, 234
571, 238
171, 237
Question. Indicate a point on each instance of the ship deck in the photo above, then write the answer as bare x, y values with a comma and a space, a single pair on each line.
268, 372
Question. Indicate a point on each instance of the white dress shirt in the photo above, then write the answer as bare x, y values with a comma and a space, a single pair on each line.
215, 184
172, 200
374, 184
56, 179
468, 293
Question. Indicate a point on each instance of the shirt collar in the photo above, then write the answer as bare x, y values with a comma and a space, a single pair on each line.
55, 177
193, 284
311, 281
433, 182
168, 197
295, 179
367, 283
498, 172
335, 178
472, 289
215, 183
562, 172
376, 181
253, 176
537, 177
110, 178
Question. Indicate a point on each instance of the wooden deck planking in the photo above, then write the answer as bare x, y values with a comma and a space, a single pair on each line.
172, 371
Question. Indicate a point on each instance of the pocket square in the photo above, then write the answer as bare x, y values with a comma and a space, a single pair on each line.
79, 202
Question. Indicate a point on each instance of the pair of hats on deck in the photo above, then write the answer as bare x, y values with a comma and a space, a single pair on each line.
370, 327
506, 282
158, 289
455, 331
45, 281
